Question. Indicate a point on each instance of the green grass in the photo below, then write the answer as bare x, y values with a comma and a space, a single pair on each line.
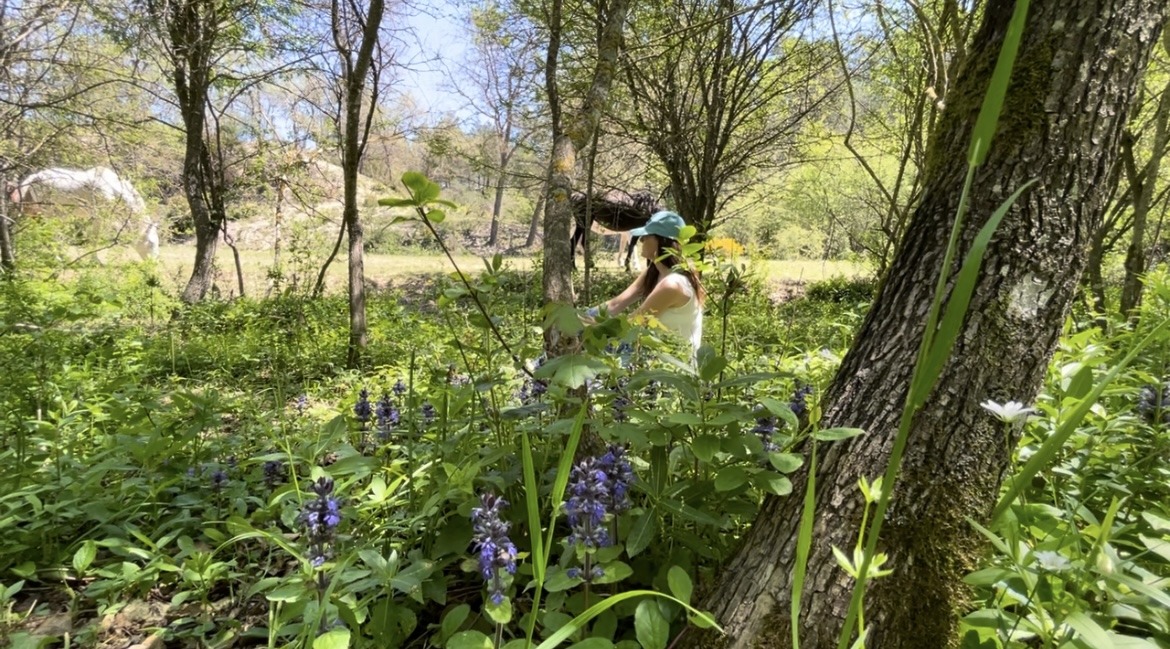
383, 269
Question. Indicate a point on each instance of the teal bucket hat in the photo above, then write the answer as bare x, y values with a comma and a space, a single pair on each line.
664, 224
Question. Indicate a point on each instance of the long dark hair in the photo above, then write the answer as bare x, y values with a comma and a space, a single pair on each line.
671, 256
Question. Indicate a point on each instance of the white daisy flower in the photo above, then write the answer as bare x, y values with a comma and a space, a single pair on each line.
1052, 561
1009, 412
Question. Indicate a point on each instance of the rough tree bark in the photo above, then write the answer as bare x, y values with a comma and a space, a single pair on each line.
1074, 82
7, 254
569, 137
355, 67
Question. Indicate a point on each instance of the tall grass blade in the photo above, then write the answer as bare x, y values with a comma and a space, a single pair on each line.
541, 553
532, 499
1051, 446
804, 543
943, 340
579, 622
993, 100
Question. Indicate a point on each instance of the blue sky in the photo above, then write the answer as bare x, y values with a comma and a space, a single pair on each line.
439, 36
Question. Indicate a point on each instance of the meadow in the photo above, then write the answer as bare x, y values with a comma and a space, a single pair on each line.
217, 478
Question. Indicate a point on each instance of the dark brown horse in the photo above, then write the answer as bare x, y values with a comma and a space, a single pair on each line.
612, 211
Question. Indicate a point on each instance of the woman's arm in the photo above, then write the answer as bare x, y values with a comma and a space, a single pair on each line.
628, 296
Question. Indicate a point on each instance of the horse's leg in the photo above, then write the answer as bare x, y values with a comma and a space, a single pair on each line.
630, 245
573, 240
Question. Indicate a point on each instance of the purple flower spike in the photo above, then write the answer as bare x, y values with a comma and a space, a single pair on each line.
495, 550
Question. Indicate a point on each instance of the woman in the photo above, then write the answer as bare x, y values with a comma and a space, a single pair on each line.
670, 291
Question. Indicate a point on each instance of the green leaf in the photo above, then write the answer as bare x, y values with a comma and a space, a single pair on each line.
837, 434
781, 410
333, 639
680, 583
421, 187
773, 483
684, 419
396, 202
642, 533
532, 505
84, 556
650, 626
436, 216
572, 370
579, 622
613, 571
730, 478
1081, 383
803, 544
1088, 629
593, 643
286, 593
785, 462
499, 613
453, 620
559, 580
469, 640
705, 447
563, 318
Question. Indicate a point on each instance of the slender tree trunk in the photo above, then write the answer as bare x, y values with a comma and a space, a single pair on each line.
7, 252
497, 208
1135, 254
206, 229
534, 222
567, 142
1074, 81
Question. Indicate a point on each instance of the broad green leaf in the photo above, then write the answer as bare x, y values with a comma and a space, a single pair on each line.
1081, 383
785, 462
705, 447
499, 613
642, 533
684, 419
650, 627
333, 639
84, 556
593, 643
680, 583
579, 622
773, 483
420, 187
454, 619
559, 580
469, 640
730, 478
572, 370
613, 571
436, 216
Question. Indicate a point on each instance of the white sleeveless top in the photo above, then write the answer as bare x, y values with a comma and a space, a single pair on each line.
687, 320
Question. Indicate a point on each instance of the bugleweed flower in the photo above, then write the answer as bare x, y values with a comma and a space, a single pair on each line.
492, 545
321, 516
219, 480
765, 429
387, 416
619, 474
399, 388
1154, 399
799, 402
273, 472
428, 412
620, 405
361, 409
588, 504
302, 403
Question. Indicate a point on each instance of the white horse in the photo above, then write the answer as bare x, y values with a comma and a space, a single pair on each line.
99, 180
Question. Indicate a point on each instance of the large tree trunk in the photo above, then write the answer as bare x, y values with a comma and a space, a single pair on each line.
195, 190
1074, 81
